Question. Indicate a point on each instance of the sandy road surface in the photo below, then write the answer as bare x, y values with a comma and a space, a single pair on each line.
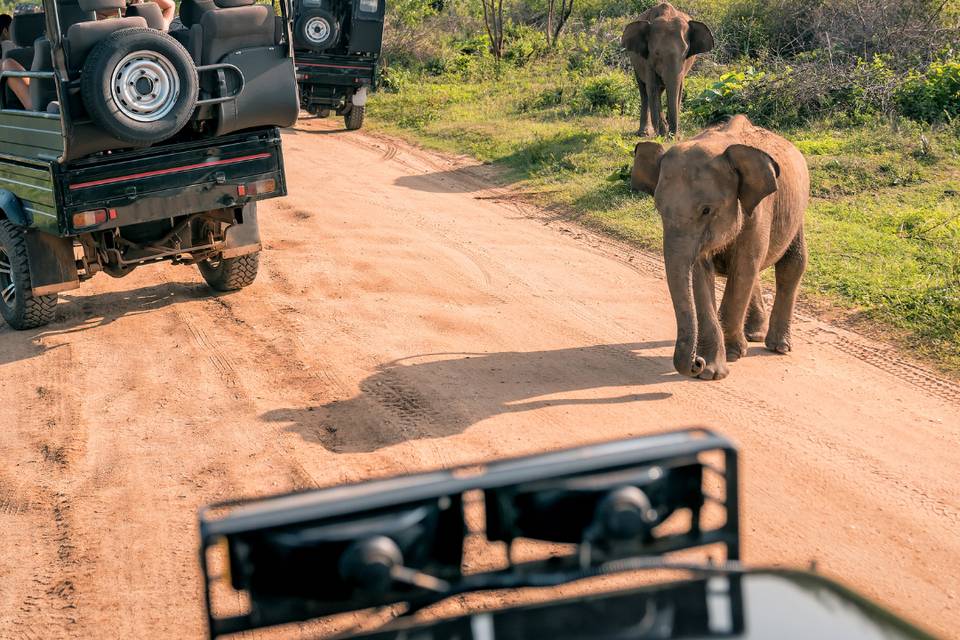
407, 317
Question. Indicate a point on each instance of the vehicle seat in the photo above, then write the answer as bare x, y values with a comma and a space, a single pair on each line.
24, 29
150, 12
70, 14
42, 92
245, 34
191, 36
235, 25
82, 37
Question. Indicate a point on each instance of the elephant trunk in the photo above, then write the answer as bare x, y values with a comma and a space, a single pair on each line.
674, 87
679, 260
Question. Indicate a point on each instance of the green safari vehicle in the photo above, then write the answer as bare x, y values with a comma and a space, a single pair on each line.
125, 141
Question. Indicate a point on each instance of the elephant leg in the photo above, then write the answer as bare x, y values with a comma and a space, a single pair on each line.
646, 128
710, 337
756, 325
789, 270
741, 282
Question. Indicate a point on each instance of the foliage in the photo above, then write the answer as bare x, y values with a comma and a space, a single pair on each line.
933, 94
607, 92
524, 43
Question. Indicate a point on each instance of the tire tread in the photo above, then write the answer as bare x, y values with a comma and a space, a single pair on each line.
35, 311
233, 273
354, 118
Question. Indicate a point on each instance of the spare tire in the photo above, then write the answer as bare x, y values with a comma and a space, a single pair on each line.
139, 85
317, 29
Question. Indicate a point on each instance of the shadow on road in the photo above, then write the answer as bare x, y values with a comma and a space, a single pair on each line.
438, 395
462, 180
76, 313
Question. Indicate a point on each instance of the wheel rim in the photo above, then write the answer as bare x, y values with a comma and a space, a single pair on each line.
8, 288
145, 86
317, 30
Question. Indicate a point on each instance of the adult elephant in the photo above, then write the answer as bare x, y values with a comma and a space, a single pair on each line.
663, 45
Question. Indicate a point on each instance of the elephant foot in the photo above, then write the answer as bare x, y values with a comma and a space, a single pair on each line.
714, 370
756, 335
778, 345
646, 133
736, 348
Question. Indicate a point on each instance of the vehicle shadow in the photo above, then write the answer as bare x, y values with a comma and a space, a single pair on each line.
77, 313
438, 395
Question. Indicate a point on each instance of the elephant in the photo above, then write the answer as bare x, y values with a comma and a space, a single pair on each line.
732, 202
663, 44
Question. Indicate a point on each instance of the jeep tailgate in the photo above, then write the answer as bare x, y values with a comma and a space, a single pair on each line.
163, 182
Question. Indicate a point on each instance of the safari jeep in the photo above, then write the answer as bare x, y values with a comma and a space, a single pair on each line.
338, 55
138, 145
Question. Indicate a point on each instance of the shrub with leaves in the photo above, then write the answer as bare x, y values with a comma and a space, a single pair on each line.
523, 44
932, 95
607, 92
726, 96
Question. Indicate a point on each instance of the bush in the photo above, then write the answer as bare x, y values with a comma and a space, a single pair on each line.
810, 88
523, 43
933, 94
607, 92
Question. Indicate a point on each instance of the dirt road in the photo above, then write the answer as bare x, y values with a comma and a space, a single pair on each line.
408, 316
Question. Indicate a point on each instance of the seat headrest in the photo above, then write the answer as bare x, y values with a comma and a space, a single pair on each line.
26, 28
230, 4
192, 10
71, 13
101, 5
149, 11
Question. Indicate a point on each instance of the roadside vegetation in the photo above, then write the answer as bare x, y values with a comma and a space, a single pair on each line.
870, 95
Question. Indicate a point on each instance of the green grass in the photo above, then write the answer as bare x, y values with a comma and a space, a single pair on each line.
883, 226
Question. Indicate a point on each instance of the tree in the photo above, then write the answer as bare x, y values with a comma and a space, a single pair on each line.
493, 19
556, 20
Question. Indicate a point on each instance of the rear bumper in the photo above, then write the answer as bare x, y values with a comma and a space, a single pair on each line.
159, 183
337, 71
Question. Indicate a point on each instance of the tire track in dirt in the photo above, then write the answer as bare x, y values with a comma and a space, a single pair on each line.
48, 604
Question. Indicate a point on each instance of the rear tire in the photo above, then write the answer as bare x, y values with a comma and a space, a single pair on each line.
354, 118
230, 274
19, 307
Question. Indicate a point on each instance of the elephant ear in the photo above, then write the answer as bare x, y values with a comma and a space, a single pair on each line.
635, 37
700, 37
646, 167
757, 173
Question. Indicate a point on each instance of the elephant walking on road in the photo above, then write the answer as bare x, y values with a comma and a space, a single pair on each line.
663, 45
732, 202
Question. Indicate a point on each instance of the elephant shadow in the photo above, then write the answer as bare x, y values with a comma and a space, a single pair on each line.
439, 395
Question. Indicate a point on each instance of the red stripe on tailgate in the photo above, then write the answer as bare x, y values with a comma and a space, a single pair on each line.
161, 172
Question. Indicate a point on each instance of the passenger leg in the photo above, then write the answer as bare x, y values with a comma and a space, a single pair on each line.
19, 86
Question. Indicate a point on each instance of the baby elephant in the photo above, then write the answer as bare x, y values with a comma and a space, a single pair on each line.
732, 202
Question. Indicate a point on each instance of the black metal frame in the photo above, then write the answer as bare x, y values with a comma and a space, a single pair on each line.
219, 523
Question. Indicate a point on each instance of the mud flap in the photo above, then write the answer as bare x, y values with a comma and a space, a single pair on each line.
243, 237
53, 267
359, 97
